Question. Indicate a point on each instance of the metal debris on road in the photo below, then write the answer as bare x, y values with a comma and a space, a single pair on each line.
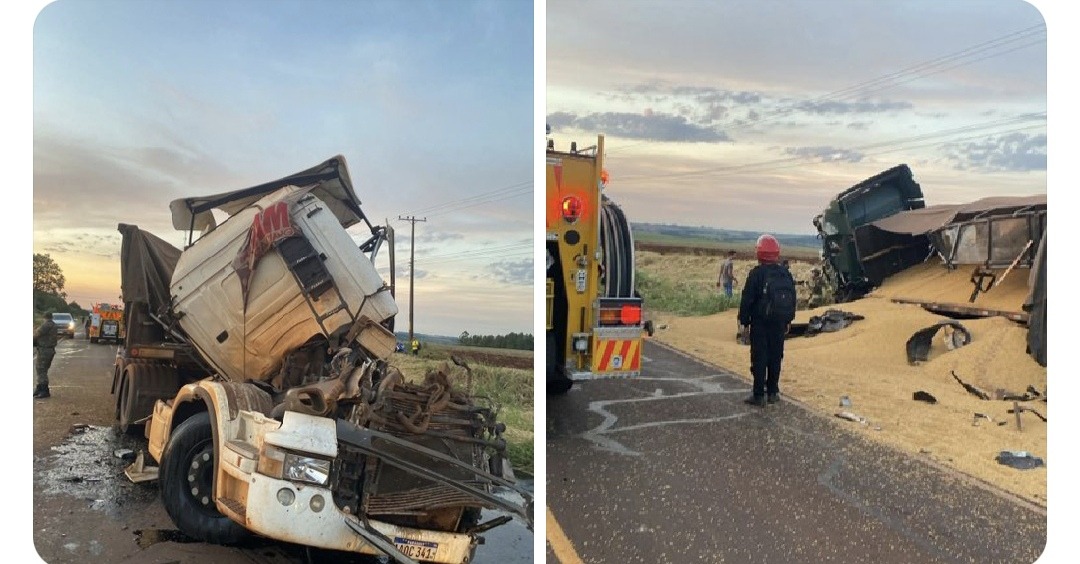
1021, 460
971, 389
852, 417
924, 396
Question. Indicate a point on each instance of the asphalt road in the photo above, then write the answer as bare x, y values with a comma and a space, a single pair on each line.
86, 511
673, 467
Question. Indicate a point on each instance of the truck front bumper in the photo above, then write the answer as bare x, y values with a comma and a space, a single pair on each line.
306, 514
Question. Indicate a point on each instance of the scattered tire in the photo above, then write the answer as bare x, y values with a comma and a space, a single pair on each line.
187, 481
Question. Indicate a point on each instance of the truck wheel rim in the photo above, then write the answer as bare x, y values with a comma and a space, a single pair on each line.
200, 477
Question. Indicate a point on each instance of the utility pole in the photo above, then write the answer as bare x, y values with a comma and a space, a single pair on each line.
412, 265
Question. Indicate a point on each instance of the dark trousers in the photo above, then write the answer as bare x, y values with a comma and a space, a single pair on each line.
766, 355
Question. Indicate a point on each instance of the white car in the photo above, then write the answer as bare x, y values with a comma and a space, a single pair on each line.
65, 324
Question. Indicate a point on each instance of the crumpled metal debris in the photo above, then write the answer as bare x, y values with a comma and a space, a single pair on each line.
918, 346
852, 417
1019, 459
830, 321
970, 389
923, 396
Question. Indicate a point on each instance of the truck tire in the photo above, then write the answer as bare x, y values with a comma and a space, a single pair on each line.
187, 481
154, 380
557, 383
559, 386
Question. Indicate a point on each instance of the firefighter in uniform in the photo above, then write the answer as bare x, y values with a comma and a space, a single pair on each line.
45, 347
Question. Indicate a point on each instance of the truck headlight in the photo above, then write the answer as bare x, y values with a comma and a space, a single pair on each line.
285, 465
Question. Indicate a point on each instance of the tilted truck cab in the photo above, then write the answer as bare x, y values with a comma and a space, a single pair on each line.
256, 366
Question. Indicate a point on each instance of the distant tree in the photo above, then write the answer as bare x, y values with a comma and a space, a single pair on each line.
520, 341
48, 277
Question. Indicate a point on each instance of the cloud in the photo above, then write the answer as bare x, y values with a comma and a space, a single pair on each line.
654, 126
828, 107
85, 244
87, 185
518, 273
437, 237
826, 154
693, 113
1016, 152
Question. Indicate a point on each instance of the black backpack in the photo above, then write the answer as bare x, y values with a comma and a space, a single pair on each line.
778, 294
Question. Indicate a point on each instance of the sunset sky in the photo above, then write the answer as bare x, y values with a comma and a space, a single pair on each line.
138, 103
754, 114
747, 114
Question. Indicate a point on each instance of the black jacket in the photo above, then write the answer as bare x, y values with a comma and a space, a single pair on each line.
750, 306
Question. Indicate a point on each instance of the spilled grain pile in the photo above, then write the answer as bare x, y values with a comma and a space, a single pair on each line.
867, 362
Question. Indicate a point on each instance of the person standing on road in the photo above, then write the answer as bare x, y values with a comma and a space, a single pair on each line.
767, 307
727, 274
86, 328
45, 346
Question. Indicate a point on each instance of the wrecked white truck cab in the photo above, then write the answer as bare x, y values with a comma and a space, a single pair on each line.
259, 377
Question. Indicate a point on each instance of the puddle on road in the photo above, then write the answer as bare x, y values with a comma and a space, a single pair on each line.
512, 542
85, 466
149, 537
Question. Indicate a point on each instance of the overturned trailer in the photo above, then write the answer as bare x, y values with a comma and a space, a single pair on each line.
856, 256
882, 226
255, 364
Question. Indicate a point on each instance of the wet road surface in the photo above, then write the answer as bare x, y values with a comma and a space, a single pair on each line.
674, 467
86, 510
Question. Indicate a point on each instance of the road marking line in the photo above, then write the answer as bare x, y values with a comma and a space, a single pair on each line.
560, 544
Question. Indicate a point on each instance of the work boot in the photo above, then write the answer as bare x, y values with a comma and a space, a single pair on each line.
758, 401
41, 392
773, 398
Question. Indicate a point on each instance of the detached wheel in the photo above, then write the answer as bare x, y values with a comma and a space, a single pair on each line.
187, 484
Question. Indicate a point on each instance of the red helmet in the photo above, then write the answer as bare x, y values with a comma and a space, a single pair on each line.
768, 248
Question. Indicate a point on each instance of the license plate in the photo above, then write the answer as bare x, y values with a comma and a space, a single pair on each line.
416, 549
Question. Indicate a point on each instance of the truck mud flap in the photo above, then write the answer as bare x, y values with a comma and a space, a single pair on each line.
361, 439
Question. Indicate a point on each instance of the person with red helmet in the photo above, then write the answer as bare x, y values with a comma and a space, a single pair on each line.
767, 308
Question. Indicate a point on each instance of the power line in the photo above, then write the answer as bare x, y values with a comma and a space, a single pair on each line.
522, 251
884, 82
900, 143
505, 191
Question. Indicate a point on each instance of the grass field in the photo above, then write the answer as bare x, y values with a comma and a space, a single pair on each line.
664, 243
683, 282
503, 377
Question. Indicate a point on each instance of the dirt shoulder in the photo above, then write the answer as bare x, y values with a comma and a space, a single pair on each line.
867, 363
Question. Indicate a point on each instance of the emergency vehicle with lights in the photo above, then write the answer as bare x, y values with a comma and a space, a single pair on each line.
106, 323
594, 313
